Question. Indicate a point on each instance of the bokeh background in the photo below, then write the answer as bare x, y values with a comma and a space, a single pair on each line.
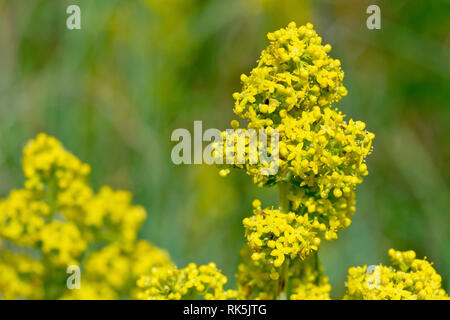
114, 91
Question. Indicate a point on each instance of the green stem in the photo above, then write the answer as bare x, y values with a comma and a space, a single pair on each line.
283, 280
284, 283
288, 282
283, 201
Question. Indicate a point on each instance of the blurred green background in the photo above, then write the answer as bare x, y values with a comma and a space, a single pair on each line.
114, 91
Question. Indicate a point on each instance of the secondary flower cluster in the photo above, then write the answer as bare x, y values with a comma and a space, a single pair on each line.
294, 73
20, 276
408, 279
58, 220
321, 156
274, 236
190, 282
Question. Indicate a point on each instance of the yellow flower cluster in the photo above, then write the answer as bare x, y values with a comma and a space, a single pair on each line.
321, 156
92, 291
321, 160
62, 242
190, 283
22, 217
61, 221
329, 215
291, 91
20, 276
57, 220
274, 236
256, 279
111, 272
323, 152
294, 73
311, 285
408, 279
318, 150
109, 215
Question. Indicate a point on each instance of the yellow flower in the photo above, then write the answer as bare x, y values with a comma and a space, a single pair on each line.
294, 73
56, 217
296, 279
62, 243
407, 279
312, 285
22, 217
321, 161
190, 282
20, 276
